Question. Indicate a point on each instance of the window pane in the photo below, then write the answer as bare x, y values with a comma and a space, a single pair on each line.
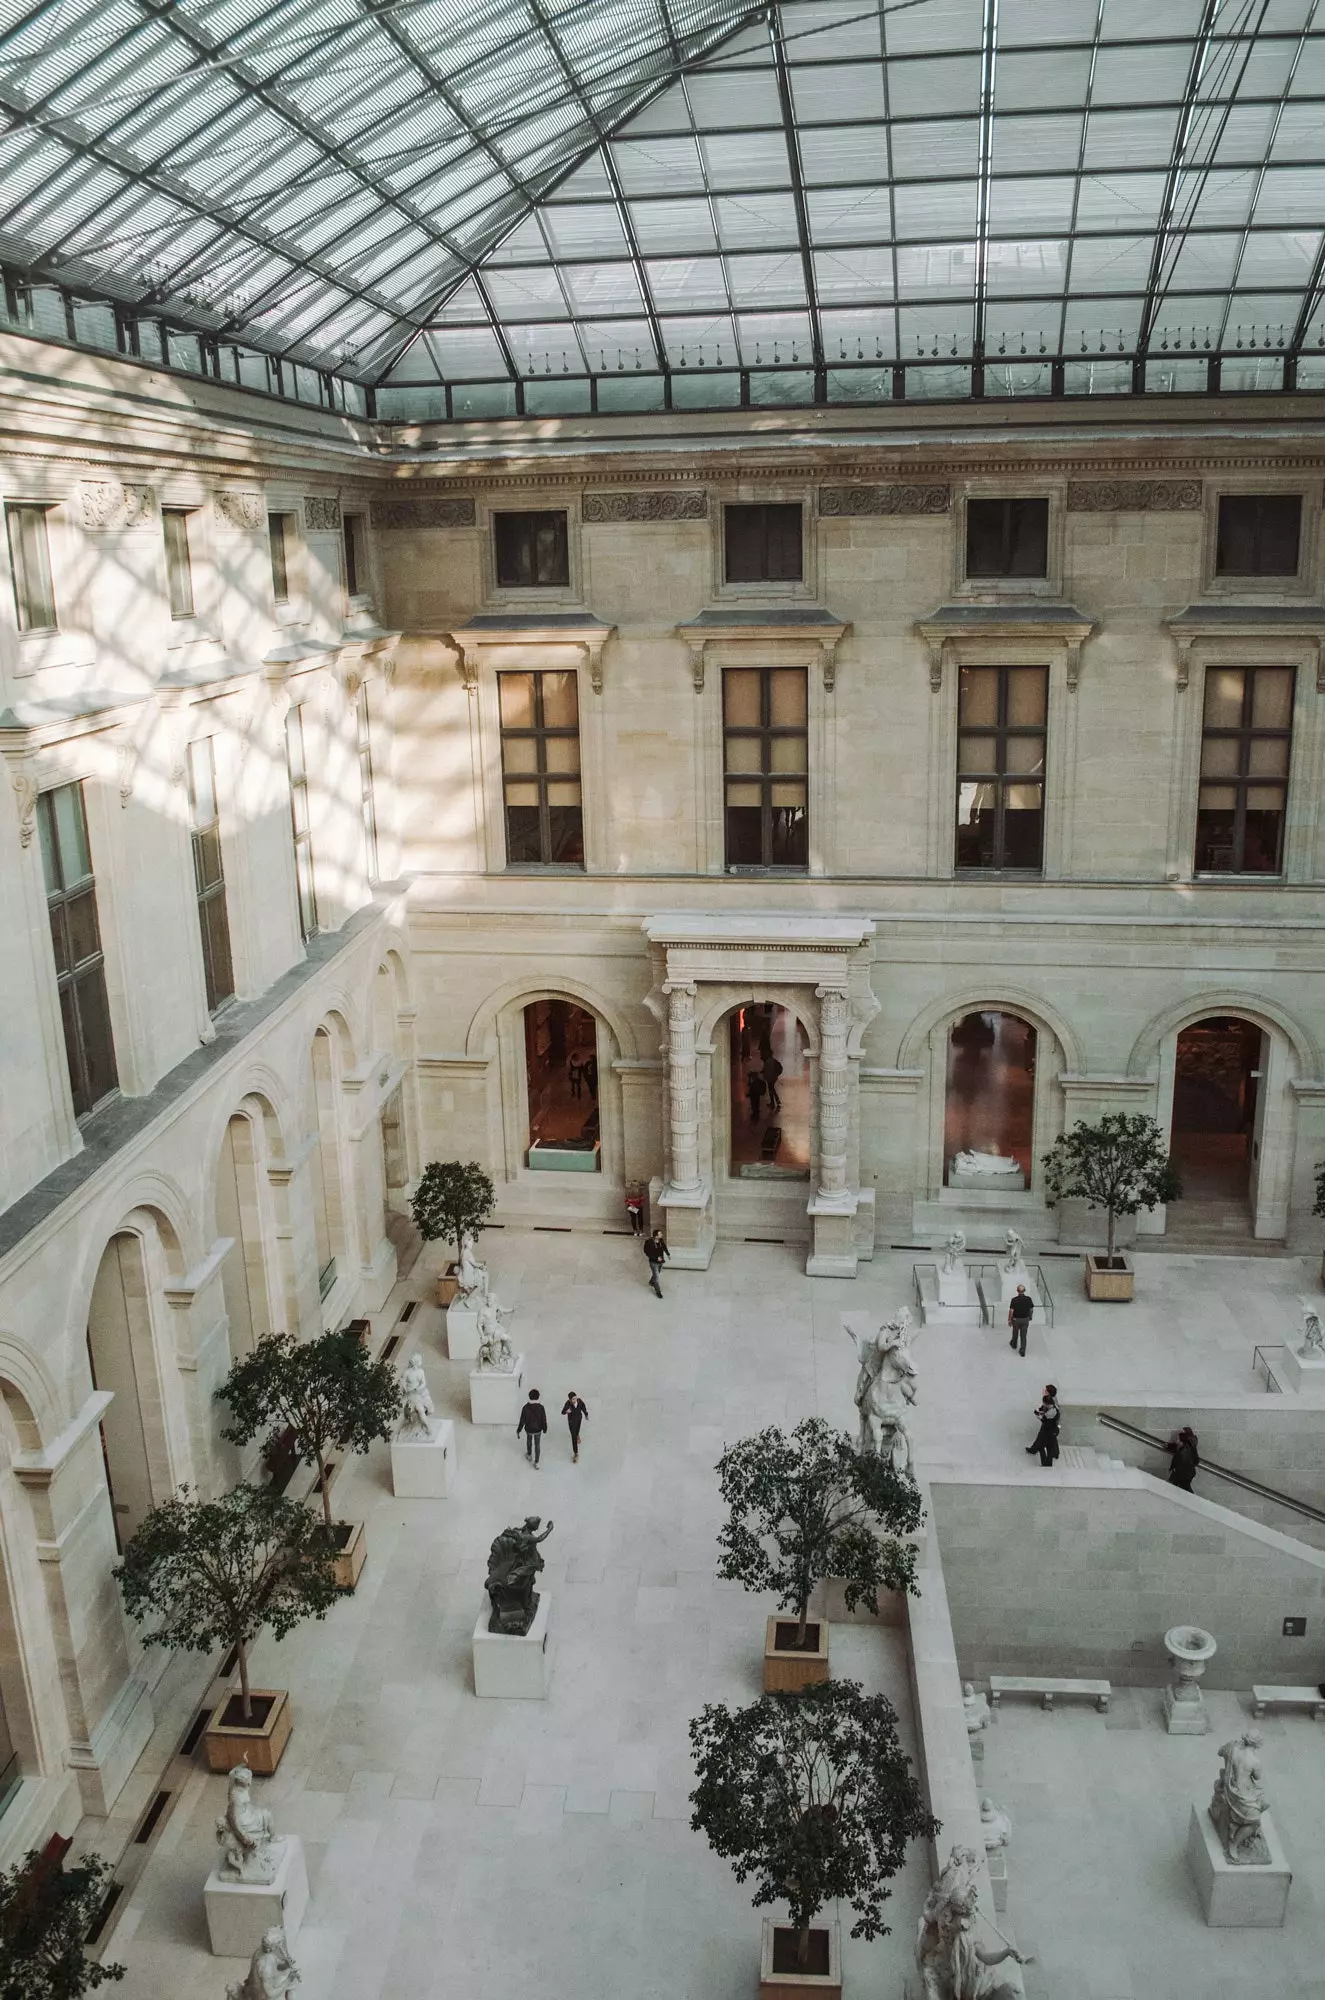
1026, 694
976, 826
520, 753
563, 792
787, 692
567, 835
1023, 753
1259, 534
1219, 756
521, 794
522, 835
1272, 698
207, 857
98, 1048
294, 745
788, 753
216, 953
986, 537
1214, 833
785, 562
1219, 798
743, 534
30, 563
741, 794
73, 1051
787, 792
1223, 697
71, 830
351, 532
1007, 537
1267, 757
50, 857
516, 694
977, 696
561, 707
1028, 538
744, 753
790, 839
60, 939
563, 753
551, 564
84, 936
280, 573
1023, 821
202, 782
977, 754
1262, 834
740, 696
179, 573
531, 549
744, 837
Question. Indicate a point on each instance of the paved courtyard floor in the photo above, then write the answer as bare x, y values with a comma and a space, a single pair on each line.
488, 1849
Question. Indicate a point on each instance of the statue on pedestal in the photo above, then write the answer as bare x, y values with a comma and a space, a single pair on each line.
513, 1566
992, 1165
1238, 1801
952, 1966
886, 1381
471, 1276
954, 1254
1015, 1260
494, 1349
995, 1826
976, 1709
416, 1406
1313, 1337
272, 1973
250, 1851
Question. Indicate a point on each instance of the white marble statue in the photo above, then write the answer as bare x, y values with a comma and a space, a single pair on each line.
995, 1826
1313, 1338
937, 1921
954, 1254
416, 1404
250, 1851
952, 1966
885, 1383
991, 1164
272, 1973
1239, 1801
975, 1707
471, 1276
494, 1349
1015, 1259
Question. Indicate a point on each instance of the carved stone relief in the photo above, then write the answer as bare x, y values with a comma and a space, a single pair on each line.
423, 513
687, 504
843, 502
1117, 496
245, 511
109, 503
320, 515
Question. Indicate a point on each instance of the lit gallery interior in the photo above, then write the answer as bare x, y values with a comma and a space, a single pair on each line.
662, 1098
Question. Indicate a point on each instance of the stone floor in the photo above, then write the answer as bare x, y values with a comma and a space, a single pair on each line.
484, 1848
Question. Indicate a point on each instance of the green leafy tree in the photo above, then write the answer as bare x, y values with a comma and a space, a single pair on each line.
46, 1912
1318, 1206
814, 1796
1120, 1165
452, 1197
215, 1572
810, 1506
328, 1392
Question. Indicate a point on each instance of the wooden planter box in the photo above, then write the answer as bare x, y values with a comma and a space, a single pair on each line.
353, 1539
787, 1667
822, 1980
1105, 1281
448, 1286
229, 1740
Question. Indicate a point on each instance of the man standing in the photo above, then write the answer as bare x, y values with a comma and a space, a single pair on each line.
1046, 1438
772, 1071
754, 1090
655, 1249
533, 1422
1020, 1308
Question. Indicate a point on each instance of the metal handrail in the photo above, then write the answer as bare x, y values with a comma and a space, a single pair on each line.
1273, 1385
1302, 1507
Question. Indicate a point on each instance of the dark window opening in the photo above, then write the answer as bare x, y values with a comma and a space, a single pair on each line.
532, 550
208, 874
1000, 767
356, 566
766, 767
80, 970
278, 535
1259, 534
540, 761
300, 823
179, 563
1007, 538
1246, 742
763, 544
30, 566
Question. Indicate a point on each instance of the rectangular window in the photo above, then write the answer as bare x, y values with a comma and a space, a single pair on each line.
766, 766
30, 565
1246, 740
1259, 534
540, 768
762, 544
179, 565
300, 823
80, 972
532, 550
366, 800
1000, 767
278, 534
1007, 538
356, 566
208, 876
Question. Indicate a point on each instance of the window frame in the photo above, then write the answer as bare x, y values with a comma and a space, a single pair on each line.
282, 581
765, 508
766, 732
305, 864
88, 970
804, 590
526, 598
1004, 587
355, 557
1245, 735
530, 515
209, 894
38, 510
540, 734
1007, 502
1001, 730
182, 515
1303, 582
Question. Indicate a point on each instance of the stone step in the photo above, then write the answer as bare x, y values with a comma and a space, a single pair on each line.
1083, 1458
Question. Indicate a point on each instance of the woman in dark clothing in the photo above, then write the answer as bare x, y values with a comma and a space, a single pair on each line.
1046, 1438
575, 1412
1186, 1458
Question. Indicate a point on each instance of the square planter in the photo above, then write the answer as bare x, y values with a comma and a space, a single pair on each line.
448, 1285
1110, 1281
788, 1667
778, 1977
229, 1740
353, 1539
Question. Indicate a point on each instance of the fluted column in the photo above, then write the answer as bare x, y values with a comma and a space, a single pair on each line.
834, 1104
683, 1082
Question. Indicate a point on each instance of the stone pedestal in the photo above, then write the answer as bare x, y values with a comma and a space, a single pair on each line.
1237, 1895
997, 1184
239, 1912
954, 1286
511, 1668
689, 1225
1009, 1280
461, 1332
496, 1395
998, 1880
833, 1251
1187, 1716
423, 1468
964, 1308
1190, 1651
1304, 1374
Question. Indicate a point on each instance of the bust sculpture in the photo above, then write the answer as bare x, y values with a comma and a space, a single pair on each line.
471, 1276
995, 1826
1238, 1801
250, 1851
992, 1164
885, 1383
513, 1566
1313, 1338
272, 1973
1015, 1259
976, 1709
416, 1404
954, 1253
494, 1349
952, 1966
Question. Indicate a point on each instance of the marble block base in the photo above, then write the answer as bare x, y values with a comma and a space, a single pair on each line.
1237, 1895
496, 1396
239, 1912
957, 1310
1302, 1373
1009, 1280
516, 1669
954, 1287
987, 1183
1185, 1718
461, 1332
423, 1468
998, 1880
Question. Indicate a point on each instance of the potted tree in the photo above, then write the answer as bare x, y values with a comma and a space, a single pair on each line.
328, 1395
802, 1508
813, 1795
1120, 1165
451, 1197
46, 1912
214, 1573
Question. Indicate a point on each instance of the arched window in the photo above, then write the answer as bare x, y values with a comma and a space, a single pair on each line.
561, 1079
1217, 1074
990, 1102
118, 1330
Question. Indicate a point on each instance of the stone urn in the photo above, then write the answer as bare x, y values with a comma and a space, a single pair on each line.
1190, 1650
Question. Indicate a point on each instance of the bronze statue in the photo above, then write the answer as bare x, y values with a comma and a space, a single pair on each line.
513, 1566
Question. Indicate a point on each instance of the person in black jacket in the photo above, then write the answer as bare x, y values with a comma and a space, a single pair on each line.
655, 1249
1186, 1458
1020, 1308
533, 1422
1046, 1438
575, 1412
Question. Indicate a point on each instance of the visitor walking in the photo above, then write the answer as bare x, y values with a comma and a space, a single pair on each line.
1046, 1438
575, 1413
772, 1071
533, 1422
635, 1210
655, 1249
1020, 1309
754, 1090
1186, 1458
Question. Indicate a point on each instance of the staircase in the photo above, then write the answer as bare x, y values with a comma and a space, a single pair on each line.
1209, 1226
1082, 1458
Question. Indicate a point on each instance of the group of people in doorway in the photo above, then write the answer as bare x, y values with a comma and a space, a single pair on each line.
761, 1083
533, 1425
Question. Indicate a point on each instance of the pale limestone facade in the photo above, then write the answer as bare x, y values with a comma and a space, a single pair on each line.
246, 1145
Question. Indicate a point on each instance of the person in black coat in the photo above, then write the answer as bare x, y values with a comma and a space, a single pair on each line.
1046, 1438
655, 1249
1186, 1458
533, 1422
575, 1412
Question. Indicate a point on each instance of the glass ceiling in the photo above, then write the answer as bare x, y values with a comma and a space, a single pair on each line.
788, 202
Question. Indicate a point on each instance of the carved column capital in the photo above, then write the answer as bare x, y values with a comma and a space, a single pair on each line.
593, 659
696, 648
23, 780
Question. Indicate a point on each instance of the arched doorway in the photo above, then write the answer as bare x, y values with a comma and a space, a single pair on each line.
119, 1337
561, 1087
989, 1103
239, 1215
770, 1093
1217, 1077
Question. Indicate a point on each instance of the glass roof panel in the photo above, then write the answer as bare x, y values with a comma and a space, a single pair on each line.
673, 226
849, 215
750, 219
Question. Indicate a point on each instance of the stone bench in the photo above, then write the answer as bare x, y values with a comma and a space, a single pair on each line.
1001, 1684
1287, 1697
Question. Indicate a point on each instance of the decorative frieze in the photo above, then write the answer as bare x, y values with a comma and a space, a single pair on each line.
109, 503
423, 513
685, 504
243, 511
321, 516
846, 502
1134, 496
